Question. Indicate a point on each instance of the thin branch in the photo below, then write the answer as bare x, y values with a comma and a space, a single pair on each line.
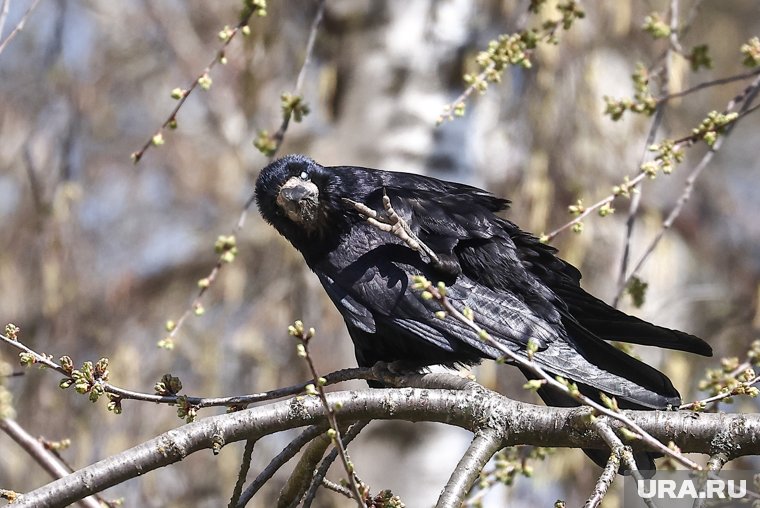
172, 118
481, 449
279, 460
4, 9
716, 462
279, 137
199, 402
604, 482
590, 209
709, 84
631, 184
674, 45
738, 390
19, 26
714, 465
303, 472
748, 96
245, 465
634, 207
304, 336
658, 116
340, 489
604, 430
321, 472
474, 410
41, 455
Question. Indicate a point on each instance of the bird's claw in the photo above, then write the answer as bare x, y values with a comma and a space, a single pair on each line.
395, 224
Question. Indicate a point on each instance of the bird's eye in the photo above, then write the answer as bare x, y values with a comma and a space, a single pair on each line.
304, 175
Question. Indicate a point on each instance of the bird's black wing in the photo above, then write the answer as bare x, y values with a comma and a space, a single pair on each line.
368, 278
598, 317
459, 223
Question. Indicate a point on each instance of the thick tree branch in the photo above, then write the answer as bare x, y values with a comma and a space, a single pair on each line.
473, 409
483, 447
47, 460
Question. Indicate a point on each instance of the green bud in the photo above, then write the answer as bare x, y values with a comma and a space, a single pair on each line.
534, 384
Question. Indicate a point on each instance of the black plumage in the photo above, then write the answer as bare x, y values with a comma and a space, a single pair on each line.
517, 285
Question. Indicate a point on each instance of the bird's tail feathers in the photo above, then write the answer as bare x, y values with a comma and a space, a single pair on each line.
588, 359
608, 323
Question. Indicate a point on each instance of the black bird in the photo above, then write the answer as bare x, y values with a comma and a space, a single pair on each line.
517, 286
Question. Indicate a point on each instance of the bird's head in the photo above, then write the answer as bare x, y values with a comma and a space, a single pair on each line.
294, 195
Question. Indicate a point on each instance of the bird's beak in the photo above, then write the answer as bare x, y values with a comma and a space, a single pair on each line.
299, 199
298, 191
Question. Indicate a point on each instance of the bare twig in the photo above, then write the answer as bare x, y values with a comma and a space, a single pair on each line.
481, 449
47, 460
605, 481
19, 26
709, 84
278, 461
4, 9
245, 465
279, 136
603, 428
658, 115
634, 207
303, 472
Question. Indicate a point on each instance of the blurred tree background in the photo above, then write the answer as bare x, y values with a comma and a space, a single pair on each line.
99, 253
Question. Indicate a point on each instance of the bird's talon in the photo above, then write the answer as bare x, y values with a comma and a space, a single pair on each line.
396, 225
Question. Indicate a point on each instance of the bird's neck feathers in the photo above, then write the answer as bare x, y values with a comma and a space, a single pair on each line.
316, 240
